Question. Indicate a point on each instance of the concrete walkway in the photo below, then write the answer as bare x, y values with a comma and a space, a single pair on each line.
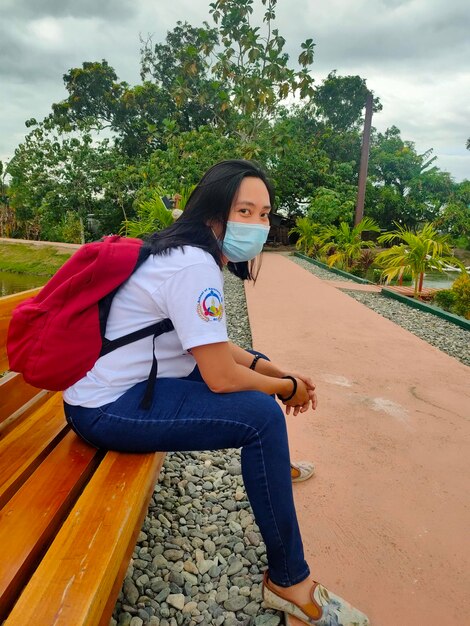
386, 519
339, 284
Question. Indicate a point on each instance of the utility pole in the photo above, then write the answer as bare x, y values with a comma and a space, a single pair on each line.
361, 191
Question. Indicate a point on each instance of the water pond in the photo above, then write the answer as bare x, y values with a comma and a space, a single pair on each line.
13, 283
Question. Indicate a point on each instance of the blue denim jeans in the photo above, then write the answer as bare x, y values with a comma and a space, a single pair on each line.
185, 416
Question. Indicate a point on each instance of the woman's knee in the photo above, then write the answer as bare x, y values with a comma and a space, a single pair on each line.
264, 411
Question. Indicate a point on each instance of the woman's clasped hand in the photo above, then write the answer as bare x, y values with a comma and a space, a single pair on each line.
305, 396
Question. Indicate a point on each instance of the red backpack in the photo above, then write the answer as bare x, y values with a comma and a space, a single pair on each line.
55, 338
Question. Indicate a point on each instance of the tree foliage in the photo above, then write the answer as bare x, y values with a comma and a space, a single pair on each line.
225, 89
340, 101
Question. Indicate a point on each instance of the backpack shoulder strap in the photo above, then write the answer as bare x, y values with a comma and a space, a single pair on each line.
104, 304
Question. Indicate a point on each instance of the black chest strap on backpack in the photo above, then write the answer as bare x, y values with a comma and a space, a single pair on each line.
145, 403
157, 329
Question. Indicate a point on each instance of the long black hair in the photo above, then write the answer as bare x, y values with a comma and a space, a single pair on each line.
209, 202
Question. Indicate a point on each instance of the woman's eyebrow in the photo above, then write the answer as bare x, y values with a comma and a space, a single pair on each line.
267, 206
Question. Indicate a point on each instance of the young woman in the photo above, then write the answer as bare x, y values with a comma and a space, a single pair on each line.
209, 393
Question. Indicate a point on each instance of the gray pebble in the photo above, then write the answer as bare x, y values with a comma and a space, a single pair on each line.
214, 571
267, 620
234, 568
143, 581
173, 555
130, 591
253, 538
163, 595
204, 566
177, 578
176, 600
252, 608
125, 619
230, 505
209, 547
222, 595
236, 603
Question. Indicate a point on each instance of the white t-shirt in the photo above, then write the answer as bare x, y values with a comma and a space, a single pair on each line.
185, 286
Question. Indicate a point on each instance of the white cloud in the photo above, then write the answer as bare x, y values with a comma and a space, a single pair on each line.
47, 32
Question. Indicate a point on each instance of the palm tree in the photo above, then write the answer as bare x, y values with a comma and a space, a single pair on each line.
417, 252
345, 245
310, 235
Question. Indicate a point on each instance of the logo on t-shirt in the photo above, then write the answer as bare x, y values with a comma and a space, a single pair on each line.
210, 305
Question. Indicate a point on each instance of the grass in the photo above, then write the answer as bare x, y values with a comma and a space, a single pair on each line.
35, 261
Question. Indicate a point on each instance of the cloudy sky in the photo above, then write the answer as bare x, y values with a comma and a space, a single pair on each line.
415, 55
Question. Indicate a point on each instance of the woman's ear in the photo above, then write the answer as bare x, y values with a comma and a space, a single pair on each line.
216, 228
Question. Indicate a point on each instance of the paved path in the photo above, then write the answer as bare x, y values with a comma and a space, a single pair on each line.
353, 286
386, 520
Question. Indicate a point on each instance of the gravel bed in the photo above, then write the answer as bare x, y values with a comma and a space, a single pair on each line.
199, 557
319, 271
448, 337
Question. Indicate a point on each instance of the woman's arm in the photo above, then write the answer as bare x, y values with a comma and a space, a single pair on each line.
245, 358
268, 368
222, 374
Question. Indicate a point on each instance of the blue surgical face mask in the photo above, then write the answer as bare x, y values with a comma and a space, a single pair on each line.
242, 242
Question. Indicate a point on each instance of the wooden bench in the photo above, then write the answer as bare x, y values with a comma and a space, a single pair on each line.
69, 514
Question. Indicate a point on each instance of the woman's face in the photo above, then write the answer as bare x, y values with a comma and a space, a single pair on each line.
251, 204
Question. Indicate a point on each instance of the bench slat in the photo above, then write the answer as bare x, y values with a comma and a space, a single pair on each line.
77, 581
24, 447
7, 304
15, 393
30, 519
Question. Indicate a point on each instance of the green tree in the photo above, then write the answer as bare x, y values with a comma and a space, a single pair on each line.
418, 251
454, 217
344, 245
53, 173
138, 116
7, 215
240, 69
295, 162
340, 101
179, 67
187, 157
410, 191
329, 207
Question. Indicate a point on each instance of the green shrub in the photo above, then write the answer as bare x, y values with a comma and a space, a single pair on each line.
457, 298
462, 242
445, 298
461, 288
